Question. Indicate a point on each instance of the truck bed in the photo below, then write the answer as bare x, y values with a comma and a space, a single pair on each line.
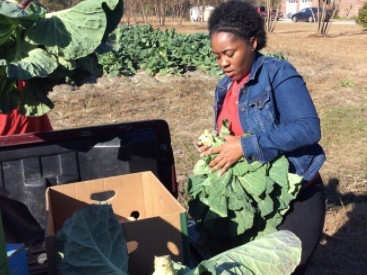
32, 162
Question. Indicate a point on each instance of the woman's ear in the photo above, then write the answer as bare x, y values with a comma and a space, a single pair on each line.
253, 43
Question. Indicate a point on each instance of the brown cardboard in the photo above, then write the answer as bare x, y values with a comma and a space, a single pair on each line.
160, 229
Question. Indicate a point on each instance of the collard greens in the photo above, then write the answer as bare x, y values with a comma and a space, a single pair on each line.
249, 200
44, 48
92, 242
278, 253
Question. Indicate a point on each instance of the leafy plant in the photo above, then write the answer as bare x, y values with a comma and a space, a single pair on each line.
92, 242
278, 253
47, 48
347, 83
362, 16
277, 55
249, 200
156, 52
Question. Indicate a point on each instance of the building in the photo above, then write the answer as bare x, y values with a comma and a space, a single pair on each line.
347, 8
197, 13
350, 8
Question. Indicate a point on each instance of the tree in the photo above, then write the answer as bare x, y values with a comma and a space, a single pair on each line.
144, 10
362, 16
160, 7
270, 20
324, 7
179, 7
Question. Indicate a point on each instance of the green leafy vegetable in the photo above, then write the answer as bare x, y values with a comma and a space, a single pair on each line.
130, 48
278, 253
47, 48
92, 242
247, 201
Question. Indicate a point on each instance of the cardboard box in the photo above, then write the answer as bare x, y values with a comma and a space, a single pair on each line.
160, 227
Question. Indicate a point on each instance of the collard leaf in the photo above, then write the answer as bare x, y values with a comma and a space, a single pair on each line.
235, 204
267, 202
31, 62
6, 29
114, 12
216, 190
279, 171
290, 193
34, 100
294, 183
195, 185
201, 167
236, 191
225, 128
92, 242
255, 183
218, 205
87, 19
242, 167
276, 253
9, 93
271, 224
266, 206
242, 221
12, 17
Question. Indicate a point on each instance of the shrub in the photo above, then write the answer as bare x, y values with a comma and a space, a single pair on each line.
277, 55
362, 16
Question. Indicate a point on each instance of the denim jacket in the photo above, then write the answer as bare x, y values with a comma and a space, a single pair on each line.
276, 110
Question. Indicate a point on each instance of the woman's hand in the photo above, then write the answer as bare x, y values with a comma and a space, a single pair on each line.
228, 154
202, 148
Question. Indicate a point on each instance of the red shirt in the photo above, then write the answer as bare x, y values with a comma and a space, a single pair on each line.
229, 110
15, 123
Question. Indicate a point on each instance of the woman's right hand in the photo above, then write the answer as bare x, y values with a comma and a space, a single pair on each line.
200, 147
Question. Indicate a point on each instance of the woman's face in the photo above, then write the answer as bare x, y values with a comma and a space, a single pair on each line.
234, 55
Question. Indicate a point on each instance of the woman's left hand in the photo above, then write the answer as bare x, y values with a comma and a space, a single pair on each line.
228, 154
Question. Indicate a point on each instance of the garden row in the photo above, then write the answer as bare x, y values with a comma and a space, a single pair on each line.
131, 48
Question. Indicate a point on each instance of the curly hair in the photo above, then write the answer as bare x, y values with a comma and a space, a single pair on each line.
241, 19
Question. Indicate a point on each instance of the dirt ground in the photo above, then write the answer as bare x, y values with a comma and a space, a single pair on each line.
334, 69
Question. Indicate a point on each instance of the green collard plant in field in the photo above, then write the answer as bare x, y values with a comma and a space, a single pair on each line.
130, 48
44, 48
249, 200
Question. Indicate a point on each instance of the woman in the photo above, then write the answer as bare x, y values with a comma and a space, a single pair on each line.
266, 98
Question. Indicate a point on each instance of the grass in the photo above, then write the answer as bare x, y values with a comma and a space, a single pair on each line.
334, 68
